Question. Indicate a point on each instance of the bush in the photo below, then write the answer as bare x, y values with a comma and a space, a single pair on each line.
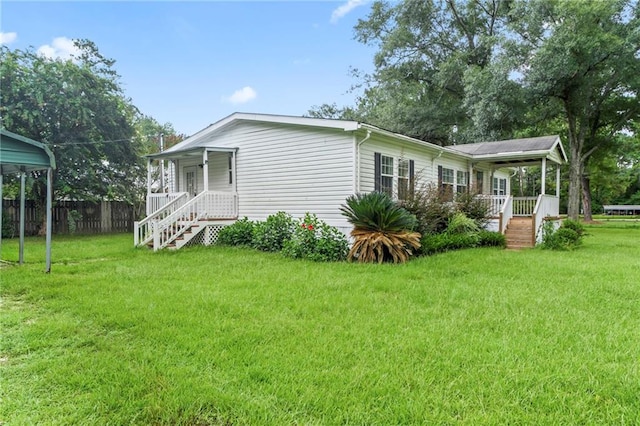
8, 230
439, 243
473, 207
567, 237
431, 209
315, 240
271, 234
491, 239
238, 234
459, 223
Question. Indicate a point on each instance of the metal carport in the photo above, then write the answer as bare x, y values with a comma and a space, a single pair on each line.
20, 155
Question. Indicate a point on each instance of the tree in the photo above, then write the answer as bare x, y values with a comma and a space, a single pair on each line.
583, 57
436, 76
78, 109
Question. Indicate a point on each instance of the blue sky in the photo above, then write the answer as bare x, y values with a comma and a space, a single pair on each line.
193, 63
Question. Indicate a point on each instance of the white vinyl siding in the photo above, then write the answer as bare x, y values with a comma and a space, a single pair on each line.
289, 168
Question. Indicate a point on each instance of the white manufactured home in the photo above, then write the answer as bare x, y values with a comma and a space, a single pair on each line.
254, 165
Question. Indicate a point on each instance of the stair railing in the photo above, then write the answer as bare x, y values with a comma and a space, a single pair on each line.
143, 230
546, 206
506, 213
175, 224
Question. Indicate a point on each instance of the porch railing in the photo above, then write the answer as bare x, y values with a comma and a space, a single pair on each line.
524, 206
143, 230
164, 229
546, 206
157, 201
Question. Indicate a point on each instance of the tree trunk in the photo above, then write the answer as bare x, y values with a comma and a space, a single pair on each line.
575, 178
586, 198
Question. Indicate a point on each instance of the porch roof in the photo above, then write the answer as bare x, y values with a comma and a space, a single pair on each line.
192, 152
515, 152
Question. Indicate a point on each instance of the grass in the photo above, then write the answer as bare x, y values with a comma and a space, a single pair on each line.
116, 335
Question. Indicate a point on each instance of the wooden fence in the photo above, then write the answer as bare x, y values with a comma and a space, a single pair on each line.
69, 217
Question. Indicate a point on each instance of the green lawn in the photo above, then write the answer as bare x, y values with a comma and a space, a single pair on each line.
116, 335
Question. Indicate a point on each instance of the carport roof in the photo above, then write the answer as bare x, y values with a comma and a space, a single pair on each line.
20, 154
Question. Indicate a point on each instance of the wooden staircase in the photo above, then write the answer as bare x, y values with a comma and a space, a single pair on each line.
519, 233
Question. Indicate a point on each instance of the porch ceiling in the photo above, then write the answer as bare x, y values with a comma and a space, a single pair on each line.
191, 153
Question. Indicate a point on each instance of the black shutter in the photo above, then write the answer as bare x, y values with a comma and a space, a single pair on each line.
377, 171
469, 182
440, 179
412, 169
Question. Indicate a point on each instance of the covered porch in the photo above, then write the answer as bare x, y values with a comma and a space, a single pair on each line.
189, 193
521, 218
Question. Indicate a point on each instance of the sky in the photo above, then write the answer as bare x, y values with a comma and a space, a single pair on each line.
193, 63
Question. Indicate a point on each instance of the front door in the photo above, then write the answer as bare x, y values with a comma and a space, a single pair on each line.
191, 180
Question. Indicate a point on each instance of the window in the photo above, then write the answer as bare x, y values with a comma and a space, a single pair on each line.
499, 186
446, 182
479, 182
403, 179
230, 166
389, 180
386, 175
461, 181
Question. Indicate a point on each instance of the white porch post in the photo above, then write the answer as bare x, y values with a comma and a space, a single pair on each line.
148, 206
205, 170
544, 176
233, 172
558, 181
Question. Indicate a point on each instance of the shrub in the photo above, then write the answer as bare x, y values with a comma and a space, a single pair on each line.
271, 234
473, 207
431, 209
383, 231
491, 239
439, 243
575, 225
315, 240
459, 223
567, 237
238, 234
8, 231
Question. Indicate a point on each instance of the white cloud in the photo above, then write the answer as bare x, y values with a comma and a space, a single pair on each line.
61, 48
8, 38
242, 96
342, 10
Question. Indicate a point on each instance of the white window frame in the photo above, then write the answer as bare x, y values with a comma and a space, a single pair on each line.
387, 174
461, 181
499, 186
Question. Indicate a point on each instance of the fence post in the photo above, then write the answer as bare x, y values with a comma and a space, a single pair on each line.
105, 216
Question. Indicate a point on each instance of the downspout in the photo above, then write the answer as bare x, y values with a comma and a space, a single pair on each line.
366, 138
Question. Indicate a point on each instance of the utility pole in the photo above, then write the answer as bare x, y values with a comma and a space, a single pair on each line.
161, 163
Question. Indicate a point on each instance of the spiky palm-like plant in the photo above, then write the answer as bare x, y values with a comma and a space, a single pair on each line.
382, 229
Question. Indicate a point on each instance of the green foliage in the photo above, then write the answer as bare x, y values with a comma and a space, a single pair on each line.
383, 230
491, 239
78, 109
313, 239
271, 234
239, 233
473, 207
431, 209
440, 243
73, 217
459, 223
567, 237
376, 211
8, 230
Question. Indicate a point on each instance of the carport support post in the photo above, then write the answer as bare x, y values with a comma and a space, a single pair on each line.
0, 214
23, 177
49, 224
558, 181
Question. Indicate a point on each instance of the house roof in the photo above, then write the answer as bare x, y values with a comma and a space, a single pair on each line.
508, 151
20, 154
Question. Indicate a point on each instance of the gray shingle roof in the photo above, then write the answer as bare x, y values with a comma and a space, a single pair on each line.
543, 143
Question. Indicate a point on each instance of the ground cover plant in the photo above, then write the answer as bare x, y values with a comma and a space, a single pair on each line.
227, 335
